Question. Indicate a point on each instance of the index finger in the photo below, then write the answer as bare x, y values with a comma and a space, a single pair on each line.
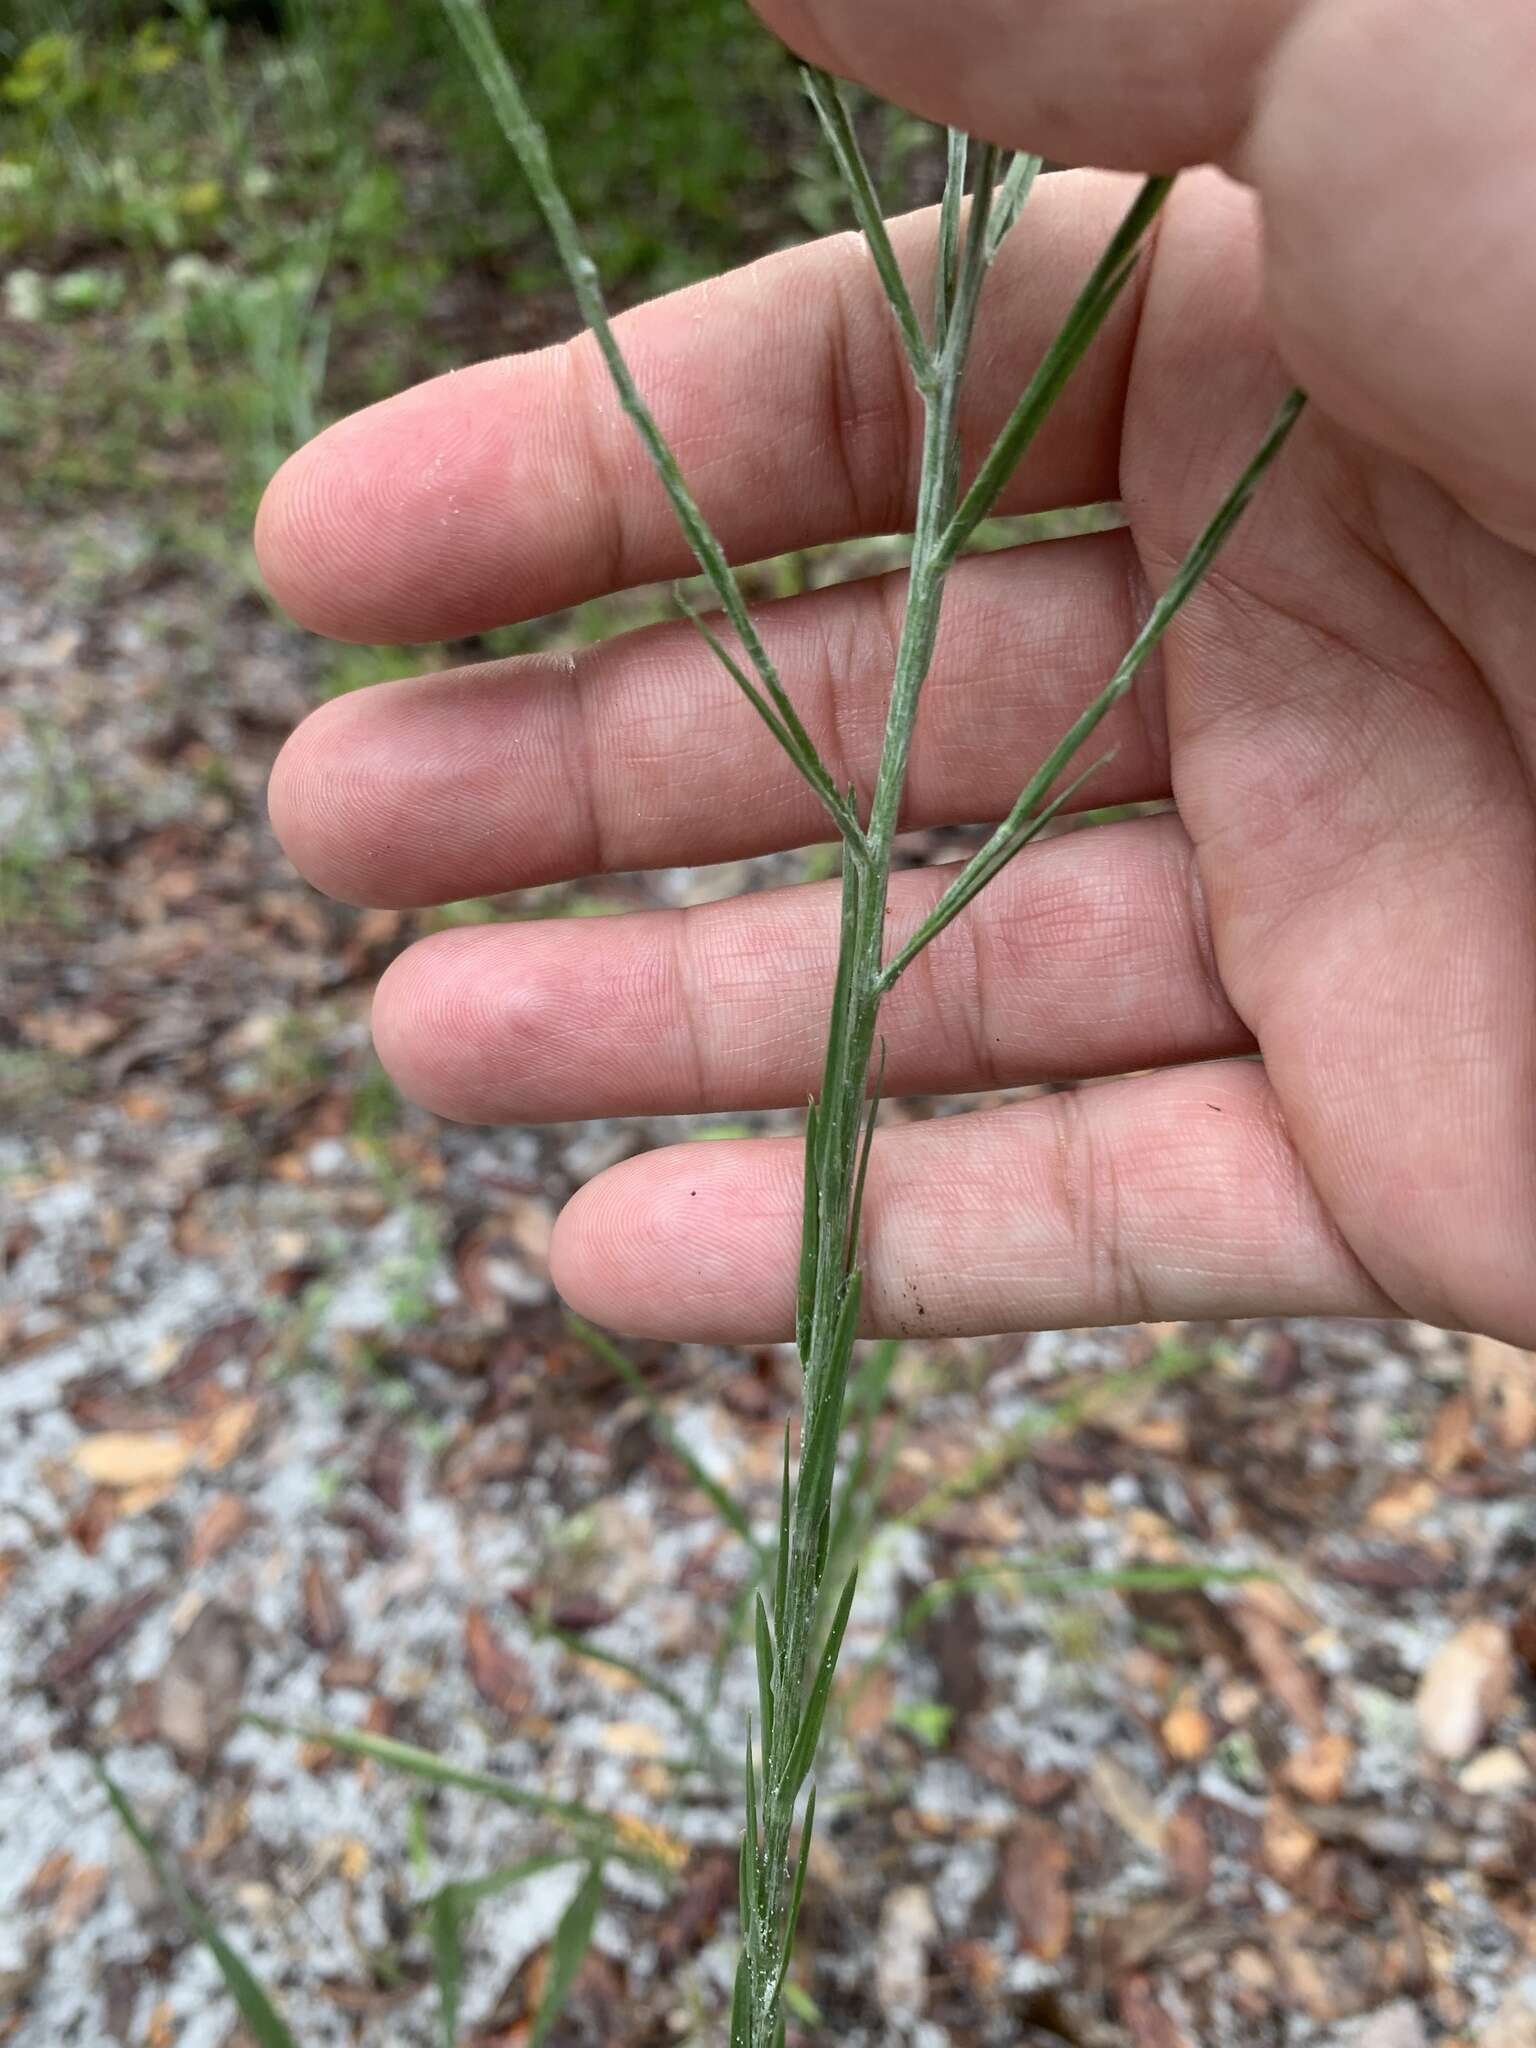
518, 487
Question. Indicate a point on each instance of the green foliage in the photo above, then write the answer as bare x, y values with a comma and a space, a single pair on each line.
261, 2017
271, 217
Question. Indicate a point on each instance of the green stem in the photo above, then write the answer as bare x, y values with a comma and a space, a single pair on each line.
1026, 820
828, 98
796, 1663
531, 149
1094, 303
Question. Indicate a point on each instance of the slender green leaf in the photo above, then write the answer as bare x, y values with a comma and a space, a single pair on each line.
449, 1912
828, 98
764, 1647
802, 1864
958, 150
260, 2016
805, 1291
1092, 309
803, 1755
1012, 197
421, 1763
642, 1675
781, 1573
741, 2004
568, 1951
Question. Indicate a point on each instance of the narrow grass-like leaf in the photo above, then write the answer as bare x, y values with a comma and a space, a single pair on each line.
803, 1754
828, 98
1093, 307
810, 1237
741, 2002
261, 2017
781, 1572
1012, 198
1019, 830
449, 1911
802, 1864
958, 149
764, 1648
421, 1763
856, 1212
531, 148
734, 670
567, 1953
753, 1859
731, 1512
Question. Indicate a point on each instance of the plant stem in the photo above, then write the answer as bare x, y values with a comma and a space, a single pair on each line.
531, 149
796, 1664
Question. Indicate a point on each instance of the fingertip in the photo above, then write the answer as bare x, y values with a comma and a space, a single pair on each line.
694, 1242
464, 1038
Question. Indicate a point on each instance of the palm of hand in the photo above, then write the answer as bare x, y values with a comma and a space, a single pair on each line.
1345, 717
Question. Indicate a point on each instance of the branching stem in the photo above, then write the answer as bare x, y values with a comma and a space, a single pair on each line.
795, 1662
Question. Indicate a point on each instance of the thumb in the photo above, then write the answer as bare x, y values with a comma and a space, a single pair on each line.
1391, 143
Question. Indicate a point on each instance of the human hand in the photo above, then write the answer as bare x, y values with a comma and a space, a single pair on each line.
1345, 714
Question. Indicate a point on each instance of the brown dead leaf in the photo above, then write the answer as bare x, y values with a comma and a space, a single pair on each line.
1144, 2018
325, 1619
1034, 1877
1452, 1437
710, 1891
1289, 1844
1186, 1730
222, 1522
500, 1677
49, 1878
1405, 1499
871, 1702
129, 1459
1127, 1802
1465, 1690
78, 1898
199, 1697
73, 1033
1187, 1848
221, 1436
241, 1336
1524, 1635
1321, 1771
1502, 1381
1330, 1972
99, 1631
1293, 1683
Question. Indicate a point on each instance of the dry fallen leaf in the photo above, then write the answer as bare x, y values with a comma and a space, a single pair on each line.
218, 1439
1127, 1802
1465, 1690
1289, 1844
222, 1522
908, 1930
127, 1459
1502, 1380
199, 1697
1293, 1683
1035, 1865
1321, 1771
325, 1619
1187, 1731
500, 1677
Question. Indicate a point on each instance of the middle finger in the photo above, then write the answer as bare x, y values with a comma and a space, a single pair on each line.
640, 753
